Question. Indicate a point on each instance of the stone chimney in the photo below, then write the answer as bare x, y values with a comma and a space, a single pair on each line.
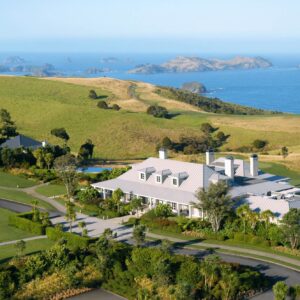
254, 165
163, 153
210, 156
229, 167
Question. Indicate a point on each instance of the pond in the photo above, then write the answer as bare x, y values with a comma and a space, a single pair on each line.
92, 169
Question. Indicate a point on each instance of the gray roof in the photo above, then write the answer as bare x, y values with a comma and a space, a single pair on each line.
21, 141
192, 177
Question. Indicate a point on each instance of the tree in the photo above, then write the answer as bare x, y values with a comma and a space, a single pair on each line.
102, 104
266, 216
291, 227
86, 150
116, 107
93, 94
243, 212
280, 290
66, 169
208, 129
136, 204
20, 247
260, 144
284, 151
116, 197
166, 143
60, 133
163, 210
49, 159
157, 111
215, 203
139, 234
82, 226
35, 211
229, 282
7, 126
70, 214
88, 195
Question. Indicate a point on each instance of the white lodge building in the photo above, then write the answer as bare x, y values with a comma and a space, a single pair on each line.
162, 180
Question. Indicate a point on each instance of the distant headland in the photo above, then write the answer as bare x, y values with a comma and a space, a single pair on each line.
184, 64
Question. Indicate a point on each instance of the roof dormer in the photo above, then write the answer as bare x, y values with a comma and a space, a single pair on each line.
160, 176
178, 178
145, 173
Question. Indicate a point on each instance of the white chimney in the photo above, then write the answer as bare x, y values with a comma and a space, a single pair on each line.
210, 157
44, 144
229, 167
163, 154
254, 165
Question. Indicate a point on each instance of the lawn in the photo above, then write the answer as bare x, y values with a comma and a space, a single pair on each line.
10, 233
22, 197
281, 170
51, 190
9, 251
9, 180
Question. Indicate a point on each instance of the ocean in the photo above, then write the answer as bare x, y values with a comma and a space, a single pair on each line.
276, 88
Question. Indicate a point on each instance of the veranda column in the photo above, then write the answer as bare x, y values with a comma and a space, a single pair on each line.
190, 211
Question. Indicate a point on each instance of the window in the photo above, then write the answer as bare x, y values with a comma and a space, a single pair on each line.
173, 205
142, 176
158, 179
175, 181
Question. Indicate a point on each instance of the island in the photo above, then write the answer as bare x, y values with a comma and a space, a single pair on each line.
184, 64
194, 87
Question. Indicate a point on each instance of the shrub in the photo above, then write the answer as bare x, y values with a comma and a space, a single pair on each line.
24, 222
259, 241
116, 107
157, 111
260, 144
74, 241
102, 104
93, 94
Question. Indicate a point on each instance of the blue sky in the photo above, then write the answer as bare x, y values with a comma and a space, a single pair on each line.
150, 25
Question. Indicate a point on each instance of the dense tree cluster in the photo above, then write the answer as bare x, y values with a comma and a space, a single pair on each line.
8, 128
210, 138
134, 272
209, 104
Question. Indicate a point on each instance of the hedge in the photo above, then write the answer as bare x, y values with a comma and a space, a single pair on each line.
23, 221
73, 240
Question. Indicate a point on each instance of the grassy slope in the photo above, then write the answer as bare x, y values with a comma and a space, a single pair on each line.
51, 190
9, 233
9, 251
9, 180
130, 133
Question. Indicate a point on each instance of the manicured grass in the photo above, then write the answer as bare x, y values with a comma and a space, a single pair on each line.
9, 251
22, 197
9, 180
281, 170
51, 190
10, 233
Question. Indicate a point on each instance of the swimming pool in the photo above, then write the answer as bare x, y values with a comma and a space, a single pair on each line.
92, 169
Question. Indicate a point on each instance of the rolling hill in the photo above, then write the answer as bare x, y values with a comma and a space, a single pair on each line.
39, 105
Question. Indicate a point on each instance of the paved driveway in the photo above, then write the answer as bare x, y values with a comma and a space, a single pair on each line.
96, 226
97, 295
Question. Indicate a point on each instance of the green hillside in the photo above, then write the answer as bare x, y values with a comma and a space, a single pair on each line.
39, 105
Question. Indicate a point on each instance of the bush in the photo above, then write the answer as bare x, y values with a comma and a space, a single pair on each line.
116, 107
259, 241
23, 221
157, 111
74, 241
102, 104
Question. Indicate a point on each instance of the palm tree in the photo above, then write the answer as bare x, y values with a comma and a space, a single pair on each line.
266, 216
70, 214
81, 225
35, 211
210, 270
243, 212
229, 283
280, 290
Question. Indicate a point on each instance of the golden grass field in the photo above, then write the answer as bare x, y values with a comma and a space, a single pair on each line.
39, 105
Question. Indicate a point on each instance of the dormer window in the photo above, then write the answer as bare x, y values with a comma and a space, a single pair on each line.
142, 176
158, 178
175, 181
